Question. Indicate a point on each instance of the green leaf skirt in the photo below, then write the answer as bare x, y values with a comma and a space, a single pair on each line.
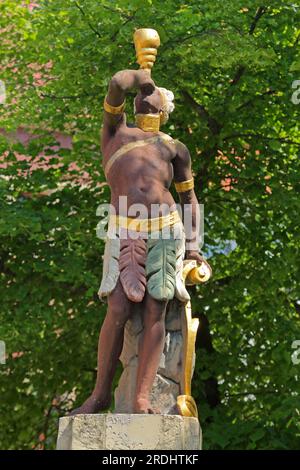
158, 271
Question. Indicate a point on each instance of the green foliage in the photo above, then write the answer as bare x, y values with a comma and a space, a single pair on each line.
231, 65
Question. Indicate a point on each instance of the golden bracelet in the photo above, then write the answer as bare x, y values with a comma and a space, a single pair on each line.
184, 186
113, 109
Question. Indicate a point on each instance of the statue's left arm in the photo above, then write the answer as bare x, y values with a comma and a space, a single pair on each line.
184, 184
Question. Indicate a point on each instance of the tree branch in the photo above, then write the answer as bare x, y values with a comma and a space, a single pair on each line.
198, 34
241, 70
214, 126
118, 11
262, 95
259, 13
87, 21
129, 18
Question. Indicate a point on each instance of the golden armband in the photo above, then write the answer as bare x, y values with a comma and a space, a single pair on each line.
184, 186
114, 109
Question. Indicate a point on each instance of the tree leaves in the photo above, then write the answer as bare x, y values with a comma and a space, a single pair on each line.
238, 67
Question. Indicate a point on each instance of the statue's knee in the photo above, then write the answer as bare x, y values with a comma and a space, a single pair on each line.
155, 313
118, 312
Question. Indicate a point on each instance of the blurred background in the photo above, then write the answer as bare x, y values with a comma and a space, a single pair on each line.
234, 67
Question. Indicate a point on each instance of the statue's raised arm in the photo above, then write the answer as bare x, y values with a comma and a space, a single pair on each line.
122, 83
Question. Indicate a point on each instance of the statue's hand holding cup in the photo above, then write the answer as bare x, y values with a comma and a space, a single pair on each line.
197, 268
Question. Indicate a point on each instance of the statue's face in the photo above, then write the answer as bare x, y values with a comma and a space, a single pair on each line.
148, 103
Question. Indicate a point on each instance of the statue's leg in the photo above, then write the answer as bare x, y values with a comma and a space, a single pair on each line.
109, 349
150, 349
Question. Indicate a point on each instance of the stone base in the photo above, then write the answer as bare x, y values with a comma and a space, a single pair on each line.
128, 432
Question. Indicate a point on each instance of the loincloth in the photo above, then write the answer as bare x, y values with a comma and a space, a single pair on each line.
147, 255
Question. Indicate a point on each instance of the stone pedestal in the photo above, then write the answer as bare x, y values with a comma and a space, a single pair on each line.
128, 432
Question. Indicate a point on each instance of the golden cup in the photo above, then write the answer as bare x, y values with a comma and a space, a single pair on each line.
146, 41
199, 274
195, 273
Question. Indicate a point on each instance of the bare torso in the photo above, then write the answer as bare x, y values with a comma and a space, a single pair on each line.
143, 174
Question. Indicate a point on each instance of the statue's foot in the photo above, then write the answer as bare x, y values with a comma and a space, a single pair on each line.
92, 405
143, 406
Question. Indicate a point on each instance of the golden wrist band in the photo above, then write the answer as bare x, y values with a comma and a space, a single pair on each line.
184, 186
114, 109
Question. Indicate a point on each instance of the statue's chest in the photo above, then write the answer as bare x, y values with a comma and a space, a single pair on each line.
154, 151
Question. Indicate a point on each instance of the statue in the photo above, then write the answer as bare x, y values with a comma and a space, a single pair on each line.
150, 258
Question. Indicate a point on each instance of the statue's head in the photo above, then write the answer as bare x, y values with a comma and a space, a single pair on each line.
158, 101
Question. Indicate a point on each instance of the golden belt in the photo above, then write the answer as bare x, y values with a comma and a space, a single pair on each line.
144, 225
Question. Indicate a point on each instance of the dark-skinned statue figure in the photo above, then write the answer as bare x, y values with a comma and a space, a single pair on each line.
151, 256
